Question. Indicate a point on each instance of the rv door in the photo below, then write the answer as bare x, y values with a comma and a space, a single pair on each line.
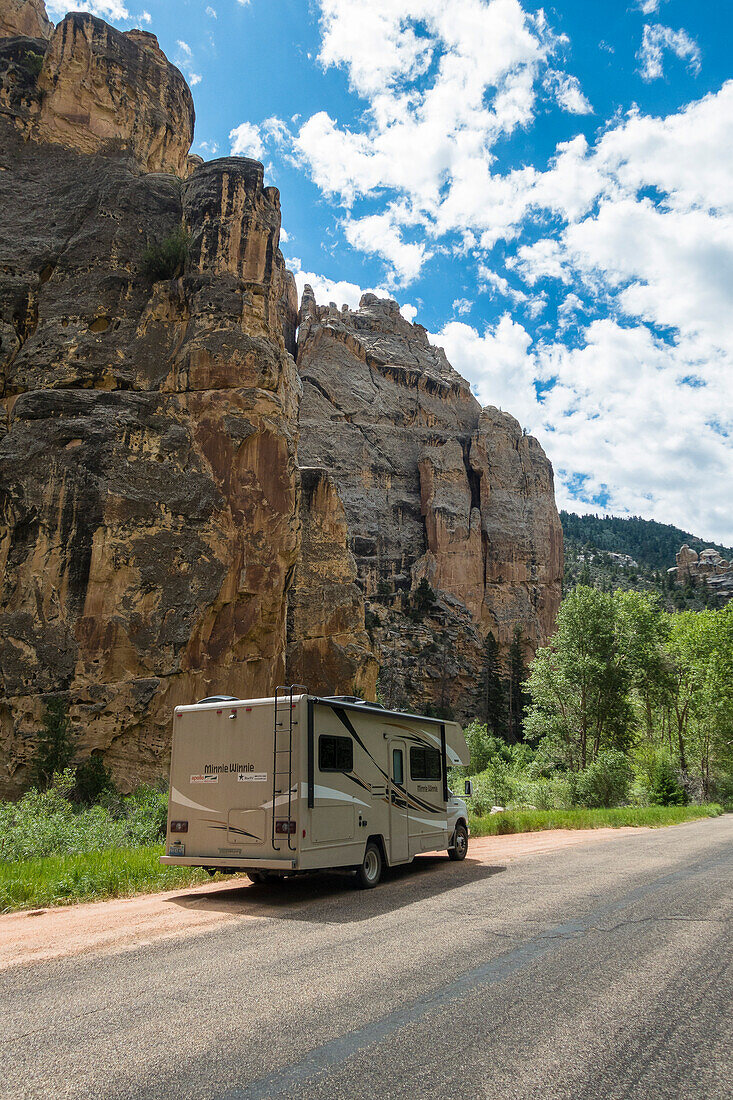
399, 849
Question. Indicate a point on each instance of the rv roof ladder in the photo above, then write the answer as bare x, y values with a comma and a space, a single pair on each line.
283, 698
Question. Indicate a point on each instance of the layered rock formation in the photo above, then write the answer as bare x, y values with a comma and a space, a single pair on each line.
157, 540
709, 567
434, 488
25, 18
328, 648
148, 475
93, 89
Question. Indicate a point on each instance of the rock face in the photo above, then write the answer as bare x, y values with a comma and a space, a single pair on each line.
26, 18
93, 89
434, 488
158, 541
709, 567
328, 647
148, 473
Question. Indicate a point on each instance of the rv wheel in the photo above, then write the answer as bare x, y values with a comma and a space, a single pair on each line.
258, 877
370, 872
460, 843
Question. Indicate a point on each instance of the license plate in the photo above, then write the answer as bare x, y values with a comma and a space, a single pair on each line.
177, 849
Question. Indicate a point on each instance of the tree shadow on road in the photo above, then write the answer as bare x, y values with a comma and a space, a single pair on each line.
332, 898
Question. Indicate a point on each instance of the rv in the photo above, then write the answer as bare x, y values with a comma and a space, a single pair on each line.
298, 783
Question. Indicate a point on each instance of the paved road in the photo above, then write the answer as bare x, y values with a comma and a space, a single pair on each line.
602, 971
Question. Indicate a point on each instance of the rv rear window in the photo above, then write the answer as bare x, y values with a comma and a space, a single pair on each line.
424, 763
335, 754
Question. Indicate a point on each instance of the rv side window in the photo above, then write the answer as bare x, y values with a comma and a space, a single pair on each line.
335, 754
397, 767
424, 763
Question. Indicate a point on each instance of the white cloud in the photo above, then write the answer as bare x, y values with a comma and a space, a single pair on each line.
378, 234
145, 17
462, 306
442, 83
621, 418
655, 40
211, 12
284, 236
340, 291
246, 141
114, 11
208, 147
648, 7
634, 228
567, 91
184, 48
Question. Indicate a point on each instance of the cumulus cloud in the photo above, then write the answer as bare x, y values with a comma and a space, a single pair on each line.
340, 291
246, 141
567, 91
648, 7
114, 11
655, 40
627, 237
462, 306
442, 85
378, 234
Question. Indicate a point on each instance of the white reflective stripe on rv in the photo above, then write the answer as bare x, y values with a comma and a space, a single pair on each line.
436, 822
182, 800
331, 792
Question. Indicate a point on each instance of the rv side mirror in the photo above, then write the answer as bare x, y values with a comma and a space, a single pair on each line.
468, 788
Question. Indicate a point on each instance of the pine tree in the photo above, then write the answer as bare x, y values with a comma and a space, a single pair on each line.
56, 744
494, 690
518, 699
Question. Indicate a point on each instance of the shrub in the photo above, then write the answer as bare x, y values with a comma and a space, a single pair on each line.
93, 778
34, 62
665, 789
44, 823
166, 259
606, 781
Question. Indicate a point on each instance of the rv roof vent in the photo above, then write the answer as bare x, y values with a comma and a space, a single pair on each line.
218, 699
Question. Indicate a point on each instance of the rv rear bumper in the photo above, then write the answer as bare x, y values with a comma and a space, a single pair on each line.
231, 861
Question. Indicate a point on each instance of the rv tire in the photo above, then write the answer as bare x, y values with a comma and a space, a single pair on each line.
370, 871
459, 847
258, 877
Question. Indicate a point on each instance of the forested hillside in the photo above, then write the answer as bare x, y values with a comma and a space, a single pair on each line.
611, 553
652, 545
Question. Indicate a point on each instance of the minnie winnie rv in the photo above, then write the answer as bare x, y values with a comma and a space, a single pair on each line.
297, 783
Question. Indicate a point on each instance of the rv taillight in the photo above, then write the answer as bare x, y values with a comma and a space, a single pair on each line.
179, 826
285, 827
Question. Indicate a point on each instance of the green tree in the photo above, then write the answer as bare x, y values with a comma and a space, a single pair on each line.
55, 747
494, 690
578, 685
518, 698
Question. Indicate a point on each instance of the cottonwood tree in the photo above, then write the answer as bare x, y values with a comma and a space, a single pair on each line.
578, 684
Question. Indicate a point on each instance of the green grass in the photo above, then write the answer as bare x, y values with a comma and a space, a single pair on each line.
532, 821
91, 876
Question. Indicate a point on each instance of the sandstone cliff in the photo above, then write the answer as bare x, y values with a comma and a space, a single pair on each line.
158, 541
328, 647
148, 475
93, 89
434, 488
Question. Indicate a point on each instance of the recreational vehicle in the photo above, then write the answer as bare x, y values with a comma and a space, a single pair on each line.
300, 783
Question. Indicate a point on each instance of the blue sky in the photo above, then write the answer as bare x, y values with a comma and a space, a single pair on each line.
549, 190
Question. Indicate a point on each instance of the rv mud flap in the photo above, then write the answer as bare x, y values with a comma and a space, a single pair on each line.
231, 861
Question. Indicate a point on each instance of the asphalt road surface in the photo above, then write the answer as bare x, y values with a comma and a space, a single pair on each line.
601, 971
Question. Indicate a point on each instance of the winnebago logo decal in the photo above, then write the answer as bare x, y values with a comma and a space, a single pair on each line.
204, 779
